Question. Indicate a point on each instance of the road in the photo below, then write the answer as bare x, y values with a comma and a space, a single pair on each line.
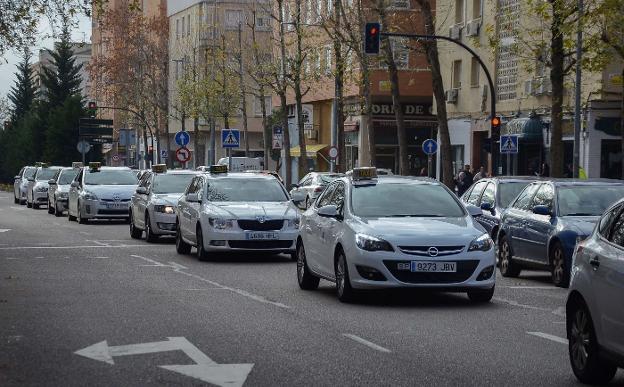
77, 300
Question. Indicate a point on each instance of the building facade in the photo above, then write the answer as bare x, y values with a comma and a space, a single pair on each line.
82, 55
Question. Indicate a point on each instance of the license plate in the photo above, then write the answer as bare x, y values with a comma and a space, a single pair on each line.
433, 267
252, 236
116, 206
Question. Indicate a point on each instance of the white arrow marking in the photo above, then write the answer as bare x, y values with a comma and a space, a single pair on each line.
205, 369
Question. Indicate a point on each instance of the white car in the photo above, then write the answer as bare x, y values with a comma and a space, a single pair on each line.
311, 186
101, 192
594, 309
152, 208
393, 232
58, 190
235, 212
20, 185
37, 191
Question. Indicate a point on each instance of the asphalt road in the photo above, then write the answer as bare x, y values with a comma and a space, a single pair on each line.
88, 305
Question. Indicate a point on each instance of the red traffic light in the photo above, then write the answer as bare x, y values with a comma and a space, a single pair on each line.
496, 121
373, 31
372, 38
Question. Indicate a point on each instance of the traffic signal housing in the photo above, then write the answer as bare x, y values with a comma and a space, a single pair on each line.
372, 37
496, 126
92, 109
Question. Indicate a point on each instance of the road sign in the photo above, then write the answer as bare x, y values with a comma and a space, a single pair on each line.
333, 152
277, 130
430, 146
230, 138
83, 146
115, 157
277, 143
164, 154
95, 128
204, 369
508, 144
183, 154
182, 138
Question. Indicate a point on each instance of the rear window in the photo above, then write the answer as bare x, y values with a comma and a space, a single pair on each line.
67, 176
326, 179
588, 200
30, 173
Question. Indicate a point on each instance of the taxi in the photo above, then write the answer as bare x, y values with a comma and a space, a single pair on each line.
58, 191
37, 191
234, 212
366, 232
101, 192
152, 207
20, 184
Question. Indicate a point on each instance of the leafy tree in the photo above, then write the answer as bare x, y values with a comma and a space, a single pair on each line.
18, 137
62, 131
61, 79
22, 94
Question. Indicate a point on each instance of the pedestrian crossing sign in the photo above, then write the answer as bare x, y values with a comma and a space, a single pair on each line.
508, 144
230, 138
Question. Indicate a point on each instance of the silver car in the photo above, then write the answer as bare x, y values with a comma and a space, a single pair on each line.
58, 190
594, 312
311, 186
20, 185
152, 208
37, 191
101, 192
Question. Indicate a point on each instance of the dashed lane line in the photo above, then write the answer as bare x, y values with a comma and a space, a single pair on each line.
547, 336
366, 343
73, 247
525, 306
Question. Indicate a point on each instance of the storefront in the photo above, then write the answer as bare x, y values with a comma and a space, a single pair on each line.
531, 146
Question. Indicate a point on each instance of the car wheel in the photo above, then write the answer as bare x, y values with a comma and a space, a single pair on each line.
81, 220
202, 254
28, 204
586, 363
181, 246
344, 291
135, 233
50, 208
57, 212
559, 270
508, 267
481, 296
307, 280
149, 235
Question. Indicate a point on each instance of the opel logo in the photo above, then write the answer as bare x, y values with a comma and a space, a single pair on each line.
116, 197
261, 219
433, 251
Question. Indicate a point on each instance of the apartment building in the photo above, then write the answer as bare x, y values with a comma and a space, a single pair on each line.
82, 55
196, 28
523, 93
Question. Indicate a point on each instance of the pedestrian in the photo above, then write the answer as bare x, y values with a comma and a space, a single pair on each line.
464, 180
544, 170
480, 175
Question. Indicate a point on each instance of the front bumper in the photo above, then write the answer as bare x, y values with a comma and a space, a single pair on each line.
40, 197
91, 209
163, 224
395, 268
62, 203
237, 240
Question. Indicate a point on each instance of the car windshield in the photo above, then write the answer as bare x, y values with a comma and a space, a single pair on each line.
29, 173
245, 190
45, 174
171, 183
589, 200
67, 176
404, 200
326, 179
508, 191
110, 177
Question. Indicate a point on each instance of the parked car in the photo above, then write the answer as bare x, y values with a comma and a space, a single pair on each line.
594, 312
311, 186
493, 196
542, 226
58, 191
20, 185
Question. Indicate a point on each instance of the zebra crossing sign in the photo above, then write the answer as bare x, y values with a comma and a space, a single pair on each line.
508, 144
230, 138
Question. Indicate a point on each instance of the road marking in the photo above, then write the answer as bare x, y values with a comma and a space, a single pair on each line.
546, 336
533, 287
72, 247
204, 369
11, 258
205, 289
100, 257
100, 243
5, 229
560, 311
18, 208
515, 303
366, 343
84, 233
39, 257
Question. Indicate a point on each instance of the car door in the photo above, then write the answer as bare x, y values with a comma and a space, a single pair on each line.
314, 247
515, 220
488, 220
74, 192
539, 228
185, 212
52, 187
140, 200
330, 229
195, 209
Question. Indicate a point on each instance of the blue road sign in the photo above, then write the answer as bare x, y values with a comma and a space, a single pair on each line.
230, 138
508, 144
277, 130
182, 138
430, 146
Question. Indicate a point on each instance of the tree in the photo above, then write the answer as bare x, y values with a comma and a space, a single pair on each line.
62, 131
5, 112
22, 94
61, 78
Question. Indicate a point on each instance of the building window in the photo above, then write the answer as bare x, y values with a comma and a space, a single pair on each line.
233, 18
456, 74
400, 4
183, 22
308, 11
458, 158
459, 11
188, 25
177, 28
258, 105
263, 22
319, 10
476, 9
475, 68
400, 52
330, 7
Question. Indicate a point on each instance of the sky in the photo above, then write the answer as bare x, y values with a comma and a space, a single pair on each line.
9, 60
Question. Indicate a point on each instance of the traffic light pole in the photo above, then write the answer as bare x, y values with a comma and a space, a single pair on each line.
495, 135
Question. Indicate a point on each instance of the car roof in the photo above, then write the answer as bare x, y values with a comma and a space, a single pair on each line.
176, 172
240, 175
511, 179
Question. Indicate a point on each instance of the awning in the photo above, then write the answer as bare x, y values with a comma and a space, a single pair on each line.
311, 150
525, 128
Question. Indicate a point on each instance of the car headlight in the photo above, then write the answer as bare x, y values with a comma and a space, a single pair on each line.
221, 224
482, 243
371, 243
41, 189
88, 195
165, 209
293, 223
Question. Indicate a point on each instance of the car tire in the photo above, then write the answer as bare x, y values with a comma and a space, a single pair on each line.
135, 233
202, 254
58, 213
28, 204
481, 296
583, 348
344, 291
560, 270
508, 267
181, 246
81, 220
305, 278
149, 235
50, 208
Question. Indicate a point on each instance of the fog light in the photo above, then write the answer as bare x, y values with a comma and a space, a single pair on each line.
370, 273
486, 273
217, 243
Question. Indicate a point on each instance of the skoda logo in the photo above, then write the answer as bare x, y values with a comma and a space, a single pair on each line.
433, 251
261, 219
116, 197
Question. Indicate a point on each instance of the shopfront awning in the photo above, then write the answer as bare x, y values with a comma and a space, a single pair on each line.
311, 150
525, 128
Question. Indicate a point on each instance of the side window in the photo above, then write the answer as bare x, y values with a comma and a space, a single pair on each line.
338, 197
466, 194
617, 231
607, 220
325, 197
524, 199
307, 181
192, 187
544, 196
21, 172
488, 195
476, 193
200, 187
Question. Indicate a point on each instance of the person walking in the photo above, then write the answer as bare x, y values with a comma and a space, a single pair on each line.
464, 180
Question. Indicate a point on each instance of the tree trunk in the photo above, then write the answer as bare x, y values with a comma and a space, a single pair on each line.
241, 78
556, 80
622, 128
267, 137
339, 94
169, 161
431, 48
303, 156
282, 95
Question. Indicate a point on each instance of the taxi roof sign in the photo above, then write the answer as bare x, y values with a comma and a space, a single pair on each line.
95, 165
41, 164
218, 169
159, 168
77, 164
364, 173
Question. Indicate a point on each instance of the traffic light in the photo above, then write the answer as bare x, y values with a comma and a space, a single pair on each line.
92, 109
496, 126
372, 36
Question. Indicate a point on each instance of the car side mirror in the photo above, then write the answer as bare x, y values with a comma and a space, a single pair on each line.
474, 210
193, 198
141, 190
51, 182
75, 184
542, 210
297, 197
329, 211
486, 206
294, 186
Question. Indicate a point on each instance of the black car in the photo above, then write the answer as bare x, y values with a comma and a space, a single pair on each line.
494, 195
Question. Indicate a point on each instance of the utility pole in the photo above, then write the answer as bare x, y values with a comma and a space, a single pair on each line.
241, 78
577, 97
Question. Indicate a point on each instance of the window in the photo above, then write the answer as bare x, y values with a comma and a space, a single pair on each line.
325, 197
488, 195
476, 9
459, 11
456, 74
617, 233
400, 53
401, 4
509, 191
328, 59
476, 193
183, 22
588, 200
458, 158
330, 7
607, 220
258, 105
338, 197
233, 18
319, 10
308, 11
178, 29
188, 24
475, 69
263, 22
524, 200
544, 196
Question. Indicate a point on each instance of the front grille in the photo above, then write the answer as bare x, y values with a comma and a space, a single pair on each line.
465, 269
259, 245
254, 225
424, 250
113, 212
113, 200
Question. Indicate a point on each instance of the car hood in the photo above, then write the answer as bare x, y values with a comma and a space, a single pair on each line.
583, 225
63, 188
171, 199
421, 231
41, 183
271, 210
112, 192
